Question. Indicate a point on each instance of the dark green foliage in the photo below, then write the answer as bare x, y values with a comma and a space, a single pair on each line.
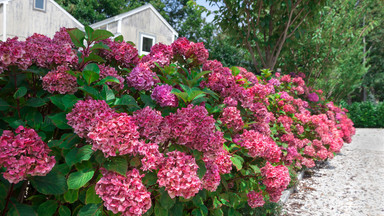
367, 114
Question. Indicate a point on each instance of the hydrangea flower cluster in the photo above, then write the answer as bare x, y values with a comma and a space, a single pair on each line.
232, 118
60, 81
24, 154
160, 53
106, 71
255, 199
86, 115
190, 50
194, 128
162, 95
276, 179
260, 145
118, 134
148, 121
142, 78
125, 54
125, 195
178, 175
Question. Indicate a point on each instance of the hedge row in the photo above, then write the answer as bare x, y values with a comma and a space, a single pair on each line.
367, 114
91, 128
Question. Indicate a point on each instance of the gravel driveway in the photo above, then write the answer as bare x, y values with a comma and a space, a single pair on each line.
351, 184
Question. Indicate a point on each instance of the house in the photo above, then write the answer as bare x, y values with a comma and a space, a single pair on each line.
22, 18
144, 26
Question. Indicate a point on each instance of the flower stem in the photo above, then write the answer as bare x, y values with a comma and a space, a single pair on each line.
7, 199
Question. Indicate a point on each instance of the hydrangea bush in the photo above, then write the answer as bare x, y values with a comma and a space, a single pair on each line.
89, 127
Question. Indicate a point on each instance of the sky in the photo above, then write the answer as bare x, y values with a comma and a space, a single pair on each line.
206, 5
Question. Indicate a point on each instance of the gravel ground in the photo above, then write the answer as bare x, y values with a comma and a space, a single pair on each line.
351, 184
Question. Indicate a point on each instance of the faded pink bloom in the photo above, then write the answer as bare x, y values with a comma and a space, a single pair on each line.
178, 175
126, 195
231, 117
255, 199
86, 114
148, 121
142, 78
60, 81
163, 96
118, 134
24, 154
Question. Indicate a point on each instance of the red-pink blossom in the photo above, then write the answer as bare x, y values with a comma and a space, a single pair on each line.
106, 71
178, 175
255, 199
126, 195
86, 114
231, 117
24, 154
60, 81
118, 134
148, 121
162, 95
142, 78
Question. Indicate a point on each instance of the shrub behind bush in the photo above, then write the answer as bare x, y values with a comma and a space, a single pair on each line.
367, 114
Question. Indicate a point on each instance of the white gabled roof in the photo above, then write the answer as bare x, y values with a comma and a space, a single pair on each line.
132, 12
68, 14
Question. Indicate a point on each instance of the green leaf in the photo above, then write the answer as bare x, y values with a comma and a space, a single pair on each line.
166, 201
108, 79
68, 140
47, 208
108, 94
77, 180
92, 197
159, 210
77, 155
71, 196
127, 100
217, 212
255, 168
35, 102
57, 100
150, 178
77, 37
88, 31
177, 209
147, 100
119, 39
20, 92
17, 209
91, 91
93, 58
91, 73
100, 34
64, 211
60, 121
3, 105
69, 101
202, 169
117, 164
52, 183
198, 76
100, 46
90, 210
237, 162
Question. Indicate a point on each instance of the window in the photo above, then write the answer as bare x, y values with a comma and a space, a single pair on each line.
39, 5
146, 42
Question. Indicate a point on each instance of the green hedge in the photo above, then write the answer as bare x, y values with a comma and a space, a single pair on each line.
367, 114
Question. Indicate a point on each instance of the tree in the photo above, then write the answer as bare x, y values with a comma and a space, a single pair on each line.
264, 26
331, 51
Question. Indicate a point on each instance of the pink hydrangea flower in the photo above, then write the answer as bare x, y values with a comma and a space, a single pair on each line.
313, 97
193, 127
160, 54
190, 50
259, 145
13, 52
118, 134
24, 154
86, 114
148, 121
126, 195
152, 159
255, 199
162, 95
106, 71
276, 179
211, 179
123, 53
232, 118
142, 78
178, 175
230, 102
60, 81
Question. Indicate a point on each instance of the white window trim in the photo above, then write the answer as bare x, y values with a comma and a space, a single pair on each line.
39, 9
142, 35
